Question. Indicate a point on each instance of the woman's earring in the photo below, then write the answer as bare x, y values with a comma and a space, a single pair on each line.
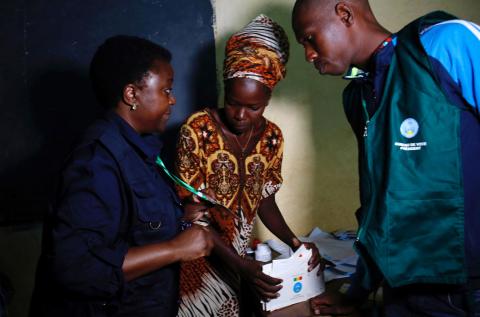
133, 107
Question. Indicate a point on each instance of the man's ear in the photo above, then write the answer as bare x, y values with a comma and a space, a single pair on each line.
345, 12
129, 94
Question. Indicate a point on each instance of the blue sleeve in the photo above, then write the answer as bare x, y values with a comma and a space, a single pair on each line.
88, 252
455, 45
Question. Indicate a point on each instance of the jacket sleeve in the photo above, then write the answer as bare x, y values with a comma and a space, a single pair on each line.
363, 282
356, 292
454, 49
87, 248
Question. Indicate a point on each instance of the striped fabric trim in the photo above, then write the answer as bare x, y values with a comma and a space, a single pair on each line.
472, 27
259, 51
266, 35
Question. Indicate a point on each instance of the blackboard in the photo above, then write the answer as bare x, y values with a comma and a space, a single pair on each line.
46, 100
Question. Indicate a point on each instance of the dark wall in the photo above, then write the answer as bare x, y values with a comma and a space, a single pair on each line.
45, 95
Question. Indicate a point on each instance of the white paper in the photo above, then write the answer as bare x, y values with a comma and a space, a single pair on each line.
281, 248
338, 251
298, 284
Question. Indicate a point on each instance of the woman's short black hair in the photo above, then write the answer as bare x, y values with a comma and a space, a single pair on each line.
122, 60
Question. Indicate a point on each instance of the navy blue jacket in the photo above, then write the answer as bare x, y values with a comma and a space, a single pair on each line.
111, 197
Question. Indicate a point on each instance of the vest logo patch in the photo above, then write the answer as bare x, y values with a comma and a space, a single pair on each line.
409, 128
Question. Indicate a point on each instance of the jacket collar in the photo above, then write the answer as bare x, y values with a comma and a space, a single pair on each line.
379, 61
149, 145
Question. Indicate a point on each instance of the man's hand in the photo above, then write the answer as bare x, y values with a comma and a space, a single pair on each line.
266, 286
332, 303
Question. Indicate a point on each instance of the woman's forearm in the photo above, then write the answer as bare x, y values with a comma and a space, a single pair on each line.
224, 252
145, 259
190, 244
272, 218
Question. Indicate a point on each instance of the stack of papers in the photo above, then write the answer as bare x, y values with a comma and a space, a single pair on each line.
339, 251
298, 284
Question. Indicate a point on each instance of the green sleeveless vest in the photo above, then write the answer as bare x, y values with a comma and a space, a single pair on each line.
411, 222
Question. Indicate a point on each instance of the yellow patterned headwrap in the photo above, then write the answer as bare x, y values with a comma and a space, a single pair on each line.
259, 51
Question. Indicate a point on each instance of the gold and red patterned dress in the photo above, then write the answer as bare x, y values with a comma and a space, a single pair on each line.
205, 159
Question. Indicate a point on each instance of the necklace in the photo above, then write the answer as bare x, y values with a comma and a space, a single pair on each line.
243, 148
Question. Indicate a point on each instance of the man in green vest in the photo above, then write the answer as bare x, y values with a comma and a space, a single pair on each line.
413, 103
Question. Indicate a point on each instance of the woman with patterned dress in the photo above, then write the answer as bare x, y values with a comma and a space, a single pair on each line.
234, 155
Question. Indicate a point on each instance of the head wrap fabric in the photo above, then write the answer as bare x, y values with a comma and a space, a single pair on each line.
259, 52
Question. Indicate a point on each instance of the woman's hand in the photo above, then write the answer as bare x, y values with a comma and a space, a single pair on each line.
194, 211
193, 243
266, 286
315, 259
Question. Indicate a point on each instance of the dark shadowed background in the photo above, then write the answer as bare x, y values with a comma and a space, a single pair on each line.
46, 100
45, 94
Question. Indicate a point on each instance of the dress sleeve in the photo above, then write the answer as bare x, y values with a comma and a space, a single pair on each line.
273, 180
87, 248
188, 162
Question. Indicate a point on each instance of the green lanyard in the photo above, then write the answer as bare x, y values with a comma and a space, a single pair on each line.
191, 189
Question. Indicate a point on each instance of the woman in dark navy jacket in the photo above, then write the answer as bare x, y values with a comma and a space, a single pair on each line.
111, 241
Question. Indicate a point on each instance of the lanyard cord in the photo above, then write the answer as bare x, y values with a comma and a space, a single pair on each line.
367, 116
191, 189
